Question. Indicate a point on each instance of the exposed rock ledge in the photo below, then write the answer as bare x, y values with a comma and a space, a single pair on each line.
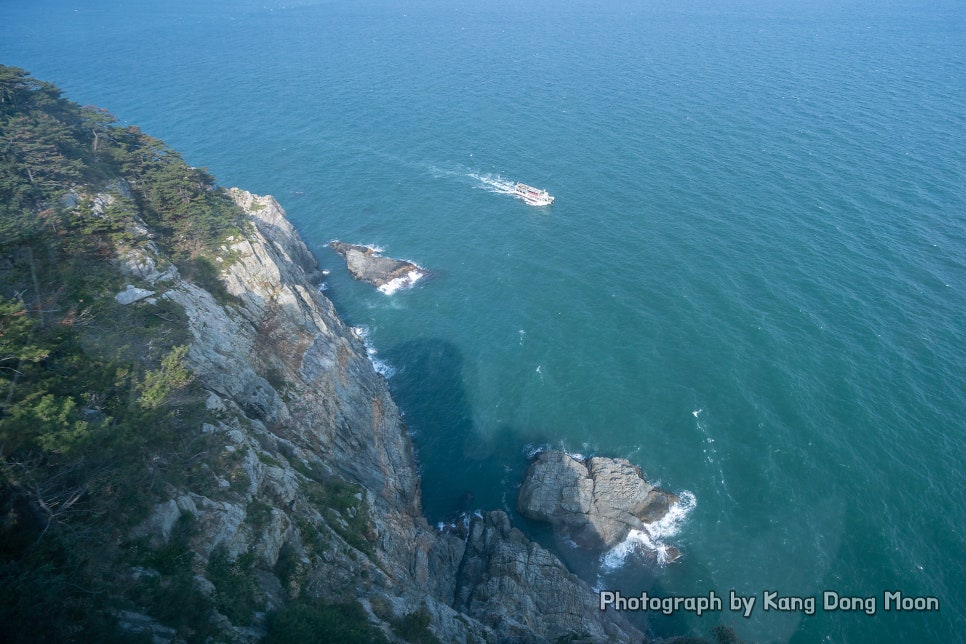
594, 502
385, 273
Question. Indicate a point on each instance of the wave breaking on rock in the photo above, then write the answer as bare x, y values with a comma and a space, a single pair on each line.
602, 504
366, 263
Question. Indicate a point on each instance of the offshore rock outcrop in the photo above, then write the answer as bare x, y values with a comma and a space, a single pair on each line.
385, 273
594, 502
317, 486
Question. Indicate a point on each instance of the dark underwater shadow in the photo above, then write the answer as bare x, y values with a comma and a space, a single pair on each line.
463, 467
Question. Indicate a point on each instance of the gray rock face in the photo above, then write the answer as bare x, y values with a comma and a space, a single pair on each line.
510, 584
384, 273
132, 294
595, 502
269, 218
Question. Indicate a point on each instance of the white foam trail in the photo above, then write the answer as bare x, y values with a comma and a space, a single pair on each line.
651, 541
443, 173
382, 367
709, 451
711, 454
494, 183
401, 282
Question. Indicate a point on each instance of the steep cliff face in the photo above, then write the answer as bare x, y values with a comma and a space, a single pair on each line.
316, 492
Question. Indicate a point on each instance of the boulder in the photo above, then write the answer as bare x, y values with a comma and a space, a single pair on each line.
594, 502
385, 273
132, 294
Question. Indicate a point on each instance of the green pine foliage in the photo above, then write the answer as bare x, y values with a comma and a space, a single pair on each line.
236, 592
50, 147
159, 385
98, 410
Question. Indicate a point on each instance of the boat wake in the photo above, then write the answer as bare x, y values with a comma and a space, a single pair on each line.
495, 183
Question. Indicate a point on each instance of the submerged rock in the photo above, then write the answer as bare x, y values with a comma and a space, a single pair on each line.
594, 502
385, 273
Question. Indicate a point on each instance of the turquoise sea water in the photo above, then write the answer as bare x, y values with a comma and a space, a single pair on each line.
752, 283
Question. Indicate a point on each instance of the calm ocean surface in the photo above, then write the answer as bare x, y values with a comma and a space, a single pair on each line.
752, 283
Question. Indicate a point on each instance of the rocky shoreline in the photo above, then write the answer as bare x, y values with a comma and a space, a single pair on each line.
302, 416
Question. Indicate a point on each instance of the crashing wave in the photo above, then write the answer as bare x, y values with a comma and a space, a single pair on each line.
382, 367
405, 281
650, 542
532, 451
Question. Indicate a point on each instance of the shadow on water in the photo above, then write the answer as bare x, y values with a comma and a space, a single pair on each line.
462, 468
465, 468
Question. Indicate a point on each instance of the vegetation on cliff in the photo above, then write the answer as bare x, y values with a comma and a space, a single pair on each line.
93, 394
103, 420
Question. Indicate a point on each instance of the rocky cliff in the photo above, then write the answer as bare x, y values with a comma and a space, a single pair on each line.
315, 493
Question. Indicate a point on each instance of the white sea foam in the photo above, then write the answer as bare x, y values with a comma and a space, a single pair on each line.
532, 451
405, 281
382, 367
651, 541
494, 183
460, 523
373, 247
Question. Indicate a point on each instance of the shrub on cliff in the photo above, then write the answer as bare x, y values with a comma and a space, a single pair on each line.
312, 621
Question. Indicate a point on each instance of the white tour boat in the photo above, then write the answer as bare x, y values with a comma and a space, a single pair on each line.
533, 196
